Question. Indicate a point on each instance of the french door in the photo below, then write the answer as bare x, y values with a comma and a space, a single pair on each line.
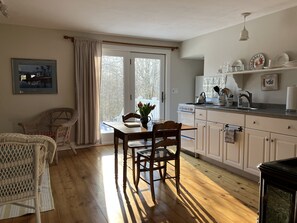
128, 78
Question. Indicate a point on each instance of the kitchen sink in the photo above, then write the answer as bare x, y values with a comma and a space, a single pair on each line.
247, 108
242, 108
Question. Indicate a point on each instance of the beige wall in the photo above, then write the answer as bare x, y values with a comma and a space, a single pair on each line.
21, 42
183, 80
26, 42
271, 35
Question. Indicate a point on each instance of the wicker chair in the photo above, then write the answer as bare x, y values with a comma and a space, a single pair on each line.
55, 123
22, 163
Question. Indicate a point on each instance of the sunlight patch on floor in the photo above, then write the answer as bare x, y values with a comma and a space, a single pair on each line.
115, 199
111, 198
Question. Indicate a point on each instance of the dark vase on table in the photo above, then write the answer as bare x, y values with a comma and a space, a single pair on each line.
144, 120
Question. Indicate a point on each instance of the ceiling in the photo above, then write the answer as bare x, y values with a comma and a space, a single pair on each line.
175, 20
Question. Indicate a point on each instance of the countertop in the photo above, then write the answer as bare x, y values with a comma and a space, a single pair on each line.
267, 110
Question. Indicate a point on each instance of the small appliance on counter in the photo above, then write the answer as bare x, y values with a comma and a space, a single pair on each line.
291, 103
201, 99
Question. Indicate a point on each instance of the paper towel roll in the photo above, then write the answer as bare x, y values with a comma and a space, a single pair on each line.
291, 104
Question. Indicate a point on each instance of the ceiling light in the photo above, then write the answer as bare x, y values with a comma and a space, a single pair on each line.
244, 34
3, 9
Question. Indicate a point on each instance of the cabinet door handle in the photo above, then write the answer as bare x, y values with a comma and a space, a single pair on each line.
272, 140
254, 122
266, 139
289, 127
200, 114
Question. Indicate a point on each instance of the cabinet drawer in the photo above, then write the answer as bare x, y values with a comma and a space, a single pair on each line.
187, 118
226, 117
200, 114
278, 125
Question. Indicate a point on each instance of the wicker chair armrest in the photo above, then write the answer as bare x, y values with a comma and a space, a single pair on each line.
48, 141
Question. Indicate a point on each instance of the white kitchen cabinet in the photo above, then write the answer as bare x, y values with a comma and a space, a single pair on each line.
233, 153
214, 142
200, 123
282, 146
256, 150
265, 141
200, 137
228, 153
276, 125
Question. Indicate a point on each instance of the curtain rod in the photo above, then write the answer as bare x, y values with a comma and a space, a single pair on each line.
129, 44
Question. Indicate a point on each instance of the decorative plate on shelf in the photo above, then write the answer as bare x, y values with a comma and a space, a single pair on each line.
237, 66
280, 60
257, 61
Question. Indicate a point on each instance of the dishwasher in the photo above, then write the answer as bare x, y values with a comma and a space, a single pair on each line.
186, 115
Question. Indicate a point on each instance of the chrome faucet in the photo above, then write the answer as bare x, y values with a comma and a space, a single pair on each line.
248, 96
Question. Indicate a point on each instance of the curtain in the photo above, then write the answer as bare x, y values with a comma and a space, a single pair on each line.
87, 55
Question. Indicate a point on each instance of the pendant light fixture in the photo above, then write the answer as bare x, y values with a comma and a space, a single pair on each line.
3, 8
244, 34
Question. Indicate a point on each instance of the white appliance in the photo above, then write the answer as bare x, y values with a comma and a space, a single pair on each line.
291, 103
186, 115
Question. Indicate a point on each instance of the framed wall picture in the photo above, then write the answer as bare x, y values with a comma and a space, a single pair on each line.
34, 76
269, 82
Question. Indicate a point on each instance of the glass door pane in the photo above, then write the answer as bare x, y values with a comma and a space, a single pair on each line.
149, 82
112, 90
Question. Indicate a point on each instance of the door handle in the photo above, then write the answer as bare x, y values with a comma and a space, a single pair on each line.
162, 97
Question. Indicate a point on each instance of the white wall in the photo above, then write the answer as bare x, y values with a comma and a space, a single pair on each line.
26, 42
271, 35
183, 81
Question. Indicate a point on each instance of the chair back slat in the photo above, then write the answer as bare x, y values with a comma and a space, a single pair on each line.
130, 116
166, 142
166, 134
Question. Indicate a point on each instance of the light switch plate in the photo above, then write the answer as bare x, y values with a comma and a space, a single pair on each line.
174, 91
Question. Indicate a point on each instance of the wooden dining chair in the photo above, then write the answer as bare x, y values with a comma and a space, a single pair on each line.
165, 148
135, 144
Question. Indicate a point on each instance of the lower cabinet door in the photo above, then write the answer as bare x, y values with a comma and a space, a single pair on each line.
200, 137
233, 152
214, 145
256, 150
282, 146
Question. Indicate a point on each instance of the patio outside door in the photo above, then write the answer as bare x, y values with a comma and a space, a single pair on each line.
126, 79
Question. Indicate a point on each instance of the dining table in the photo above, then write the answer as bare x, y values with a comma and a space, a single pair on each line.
130, 131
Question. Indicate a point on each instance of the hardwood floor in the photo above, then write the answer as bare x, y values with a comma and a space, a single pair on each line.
84, 190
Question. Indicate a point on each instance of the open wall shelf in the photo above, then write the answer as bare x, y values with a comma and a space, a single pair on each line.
238, 76
262, 70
